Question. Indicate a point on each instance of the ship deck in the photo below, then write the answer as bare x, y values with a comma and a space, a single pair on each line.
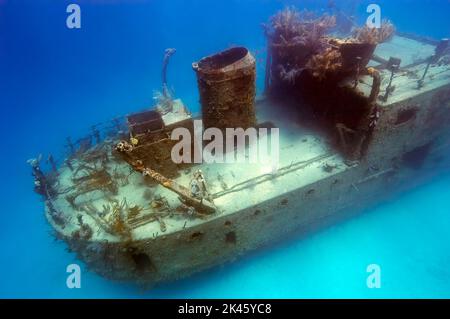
303, 159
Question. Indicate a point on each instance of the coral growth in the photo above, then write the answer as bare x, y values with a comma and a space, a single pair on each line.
294, 37
293, 28
372, 35
44, 184
84, 232
99, 180
134, 211
98, 157
350, 56
119, 227
116, 219
57, 216
298, 41
321, 65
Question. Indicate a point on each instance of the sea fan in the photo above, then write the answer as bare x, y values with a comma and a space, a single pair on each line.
372, 35
291, 28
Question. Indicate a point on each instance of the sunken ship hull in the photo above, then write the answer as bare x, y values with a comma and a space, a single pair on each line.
132, 214
315, 204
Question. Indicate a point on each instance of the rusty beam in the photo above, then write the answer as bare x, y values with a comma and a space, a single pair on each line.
202, 205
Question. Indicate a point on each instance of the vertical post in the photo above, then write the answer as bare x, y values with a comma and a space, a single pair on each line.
167, 54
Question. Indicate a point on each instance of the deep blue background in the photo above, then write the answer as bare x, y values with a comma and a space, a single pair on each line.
56, 82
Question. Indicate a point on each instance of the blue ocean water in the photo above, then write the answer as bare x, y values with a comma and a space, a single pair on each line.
56, 82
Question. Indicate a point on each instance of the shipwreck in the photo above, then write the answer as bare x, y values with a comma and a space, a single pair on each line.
360, 118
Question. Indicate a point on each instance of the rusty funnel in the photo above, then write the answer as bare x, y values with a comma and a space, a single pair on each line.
226, 82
